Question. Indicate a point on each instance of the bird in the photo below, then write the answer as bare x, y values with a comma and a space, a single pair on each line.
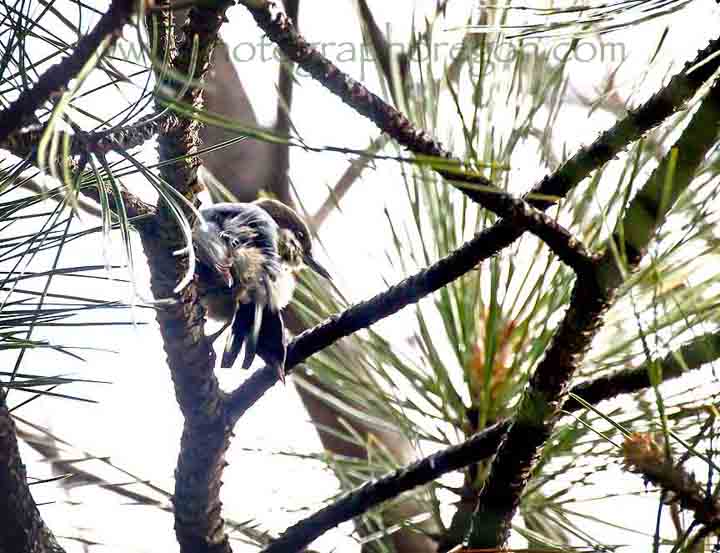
248, 257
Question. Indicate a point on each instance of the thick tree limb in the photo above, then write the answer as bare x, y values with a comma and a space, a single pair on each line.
55, 79
542, 401
199, 525
482, 445
22, 529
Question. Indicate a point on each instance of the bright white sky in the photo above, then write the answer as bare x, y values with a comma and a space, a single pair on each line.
136, 421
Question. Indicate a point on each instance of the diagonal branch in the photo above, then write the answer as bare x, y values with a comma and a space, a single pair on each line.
367, 313
692, 355
541, 404
487, 243
55, 79
281, 30
482, 445
23, 142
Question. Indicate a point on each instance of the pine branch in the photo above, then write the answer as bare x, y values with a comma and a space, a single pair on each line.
369, 312
690, 356
55, 79
281, 30
643, 455
581, 326
199, 524
23, 142
693, 355
487, 243
542, 401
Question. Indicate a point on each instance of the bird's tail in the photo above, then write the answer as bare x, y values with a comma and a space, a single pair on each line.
270, 345
242, 325
272, 348
253, 335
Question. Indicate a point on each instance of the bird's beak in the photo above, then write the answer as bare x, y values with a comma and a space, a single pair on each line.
315, 266
225, 274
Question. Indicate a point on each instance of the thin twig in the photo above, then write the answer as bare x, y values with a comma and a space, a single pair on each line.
348, 178
281, 30
55, 79
23, 142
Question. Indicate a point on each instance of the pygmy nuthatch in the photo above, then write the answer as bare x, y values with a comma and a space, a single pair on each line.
248, 255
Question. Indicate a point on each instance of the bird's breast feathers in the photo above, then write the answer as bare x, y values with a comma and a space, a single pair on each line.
282, 288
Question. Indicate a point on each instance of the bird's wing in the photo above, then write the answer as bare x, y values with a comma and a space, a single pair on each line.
254, 222
253, 230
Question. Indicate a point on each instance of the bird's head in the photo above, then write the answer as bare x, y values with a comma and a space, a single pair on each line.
294, 240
